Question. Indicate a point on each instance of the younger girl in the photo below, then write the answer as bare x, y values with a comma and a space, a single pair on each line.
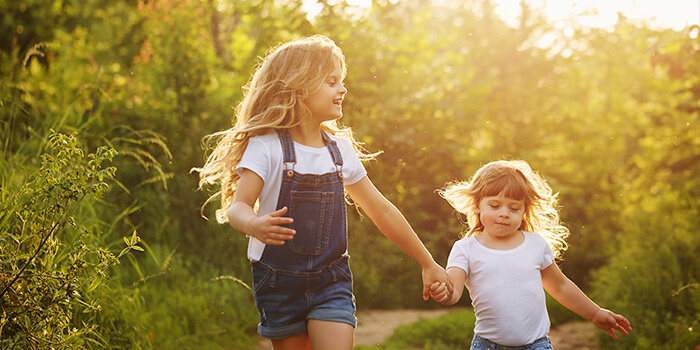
284, 169
507, 257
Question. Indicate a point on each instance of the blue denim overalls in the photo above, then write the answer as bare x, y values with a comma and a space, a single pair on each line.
309, 276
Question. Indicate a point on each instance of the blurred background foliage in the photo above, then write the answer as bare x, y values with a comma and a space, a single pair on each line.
609, 117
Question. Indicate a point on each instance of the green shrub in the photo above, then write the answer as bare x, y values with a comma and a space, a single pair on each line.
653, 282
452, 331
50, 261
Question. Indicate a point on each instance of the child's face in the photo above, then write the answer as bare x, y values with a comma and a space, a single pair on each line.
327, 102
501, 216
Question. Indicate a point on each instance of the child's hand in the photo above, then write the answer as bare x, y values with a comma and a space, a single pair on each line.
609, 321
267, 228
440, 293
435, 273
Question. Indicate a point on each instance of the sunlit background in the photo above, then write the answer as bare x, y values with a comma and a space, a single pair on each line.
675, 14
605, 106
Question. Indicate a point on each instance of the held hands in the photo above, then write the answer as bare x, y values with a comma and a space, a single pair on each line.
436, 275
609, 321
267, 228
440, 293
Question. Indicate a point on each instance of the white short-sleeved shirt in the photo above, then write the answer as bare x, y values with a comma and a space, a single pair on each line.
264, 157
506, 288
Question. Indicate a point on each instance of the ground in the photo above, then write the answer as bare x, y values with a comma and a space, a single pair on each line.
375, 326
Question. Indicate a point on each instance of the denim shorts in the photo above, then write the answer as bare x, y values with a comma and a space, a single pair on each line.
479, 343
286, 300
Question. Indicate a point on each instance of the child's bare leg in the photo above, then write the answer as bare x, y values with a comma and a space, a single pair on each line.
295, 342
328, 335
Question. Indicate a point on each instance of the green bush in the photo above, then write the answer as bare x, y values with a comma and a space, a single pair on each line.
452, 331
50, 260
653, 282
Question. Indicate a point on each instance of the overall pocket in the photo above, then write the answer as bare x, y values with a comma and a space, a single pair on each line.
313, 214
261, 277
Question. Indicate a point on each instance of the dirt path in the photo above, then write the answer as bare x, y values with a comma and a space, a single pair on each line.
575, 336
375, 326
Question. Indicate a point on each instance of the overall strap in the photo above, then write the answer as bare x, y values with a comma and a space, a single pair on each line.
290, 158
333, 148
335, 153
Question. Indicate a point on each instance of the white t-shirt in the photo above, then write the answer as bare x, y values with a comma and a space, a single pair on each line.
506, 288
264, 157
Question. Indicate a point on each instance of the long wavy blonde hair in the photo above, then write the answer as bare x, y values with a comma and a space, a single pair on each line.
513, 179
273, 99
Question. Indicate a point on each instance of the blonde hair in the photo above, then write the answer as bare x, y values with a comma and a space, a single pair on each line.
513, 179
273, 99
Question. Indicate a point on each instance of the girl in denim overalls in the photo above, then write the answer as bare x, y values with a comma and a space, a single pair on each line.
284, 169
507, 259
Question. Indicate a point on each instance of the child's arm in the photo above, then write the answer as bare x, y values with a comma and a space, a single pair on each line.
568, 294
439, 292
394, 226
242, 217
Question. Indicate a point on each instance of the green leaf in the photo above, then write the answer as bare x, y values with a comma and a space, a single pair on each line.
96, 282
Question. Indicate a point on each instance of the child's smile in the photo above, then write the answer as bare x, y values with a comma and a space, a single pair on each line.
326, 103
